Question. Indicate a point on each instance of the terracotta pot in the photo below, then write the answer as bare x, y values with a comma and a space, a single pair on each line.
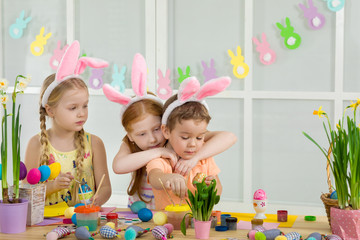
202, 229
344, 223
13, 216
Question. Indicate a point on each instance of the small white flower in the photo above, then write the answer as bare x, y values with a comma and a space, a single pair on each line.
28, 78
4, 84
22, 85
4, 98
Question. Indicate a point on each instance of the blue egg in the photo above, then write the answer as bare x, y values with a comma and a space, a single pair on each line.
0, 171
130, 234
334, 195
78, 205
145, 214
45, 172
136, 206
73, 219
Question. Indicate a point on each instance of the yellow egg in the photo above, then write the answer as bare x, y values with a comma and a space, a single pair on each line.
110, 224
281, 238
69, 212
160, 218
55, 169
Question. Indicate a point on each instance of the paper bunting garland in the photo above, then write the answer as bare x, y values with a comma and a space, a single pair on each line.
16, 30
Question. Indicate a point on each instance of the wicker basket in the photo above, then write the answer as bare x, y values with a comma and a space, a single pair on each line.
325, 197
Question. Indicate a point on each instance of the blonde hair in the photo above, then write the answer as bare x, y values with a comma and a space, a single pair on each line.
135, 113
55, 96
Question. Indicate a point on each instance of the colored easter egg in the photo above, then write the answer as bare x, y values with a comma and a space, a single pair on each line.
107, 232
145, 214
159, 232
52, 236
281, 238
199, 177
33, 176
160, 218
333, 195
260, 236
130, 234
82, 233
69, 212
169, 227
78, 205
55, 169
73, 219
139, 230
136, 206
45, 172
23, 171
260, 195
0, 172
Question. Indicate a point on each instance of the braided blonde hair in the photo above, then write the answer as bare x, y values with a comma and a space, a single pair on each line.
55, 96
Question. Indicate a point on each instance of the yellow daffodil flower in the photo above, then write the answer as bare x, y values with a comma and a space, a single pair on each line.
4, 98
3, 84
319, 112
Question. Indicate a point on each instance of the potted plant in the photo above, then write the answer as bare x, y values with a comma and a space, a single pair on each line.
12, 209
343, 157
201, 204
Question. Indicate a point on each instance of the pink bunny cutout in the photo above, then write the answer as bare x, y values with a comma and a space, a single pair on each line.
315, 19
58, 53
209, 72
71, 66
164, 90
267, 55
138, 81
190, 91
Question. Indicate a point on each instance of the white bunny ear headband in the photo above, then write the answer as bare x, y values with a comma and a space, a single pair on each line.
138, 82
71, 66
190, 91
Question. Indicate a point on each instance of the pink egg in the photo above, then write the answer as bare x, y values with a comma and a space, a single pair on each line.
251, 234
169, 227
23, 171
33, 176
260, 195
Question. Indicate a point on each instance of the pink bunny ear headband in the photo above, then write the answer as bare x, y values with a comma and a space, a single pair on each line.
71, 66
190, 91
138, 82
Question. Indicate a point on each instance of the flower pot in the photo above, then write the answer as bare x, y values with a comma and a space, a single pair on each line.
344, 223
13, 216
202, 229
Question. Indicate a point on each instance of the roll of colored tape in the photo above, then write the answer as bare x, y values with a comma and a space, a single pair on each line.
310, 218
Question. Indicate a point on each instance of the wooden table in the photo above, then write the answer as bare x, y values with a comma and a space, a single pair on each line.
301, 226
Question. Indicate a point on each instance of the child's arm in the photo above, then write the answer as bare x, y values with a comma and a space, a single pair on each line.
125, 161
171, 181
215, 143
32, 160
100, 168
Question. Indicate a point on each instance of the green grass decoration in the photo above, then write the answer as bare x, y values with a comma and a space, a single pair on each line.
201, 202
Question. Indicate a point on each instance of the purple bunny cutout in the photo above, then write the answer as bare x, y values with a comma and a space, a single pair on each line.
95, 80
209, 72
315, 19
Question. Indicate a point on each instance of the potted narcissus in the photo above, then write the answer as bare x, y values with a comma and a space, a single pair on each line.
343, 157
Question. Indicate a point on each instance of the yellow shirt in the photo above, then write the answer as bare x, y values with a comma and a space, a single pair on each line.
67, 161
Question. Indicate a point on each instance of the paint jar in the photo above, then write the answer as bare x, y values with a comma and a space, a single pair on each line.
87, 216
282, 215
256, 222
213, 221
231, 223
112, 217
218, 215
223, 219
175, 214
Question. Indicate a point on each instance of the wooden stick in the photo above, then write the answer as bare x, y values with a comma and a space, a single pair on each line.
97, 190
166, 192
82, 193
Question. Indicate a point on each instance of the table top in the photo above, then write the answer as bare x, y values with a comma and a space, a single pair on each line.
301, 226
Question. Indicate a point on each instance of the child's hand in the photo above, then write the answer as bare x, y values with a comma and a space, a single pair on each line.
63, 181
177, 184
170, 155
183, 167
208, 179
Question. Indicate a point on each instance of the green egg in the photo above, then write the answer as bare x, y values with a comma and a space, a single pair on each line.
136, 206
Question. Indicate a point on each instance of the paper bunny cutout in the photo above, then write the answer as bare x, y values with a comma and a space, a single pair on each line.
96, 78
267, 55
315, 19
58, 53
335, 5
118, 78
190, 91
37, 46
240, 69
291, 40
138, 82
72, 66
164, 90
16, 29
183, 76
209, 72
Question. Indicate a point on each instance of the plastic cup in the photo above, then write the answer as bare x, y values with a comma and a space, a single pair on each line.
87, 216
176, 213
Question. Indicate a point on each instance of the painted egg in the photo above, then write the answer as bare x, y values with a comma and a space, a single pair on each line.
169, 227
23, 171
334, 195
145, 214
0, 172
108, 232
45, 172
139, 230
55, 169
160, 218
69, 212
110, 224
199, 177
159, 232
136, 206
73, 219
78, 205
82, 233
260, 195
33, 176
130, 234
